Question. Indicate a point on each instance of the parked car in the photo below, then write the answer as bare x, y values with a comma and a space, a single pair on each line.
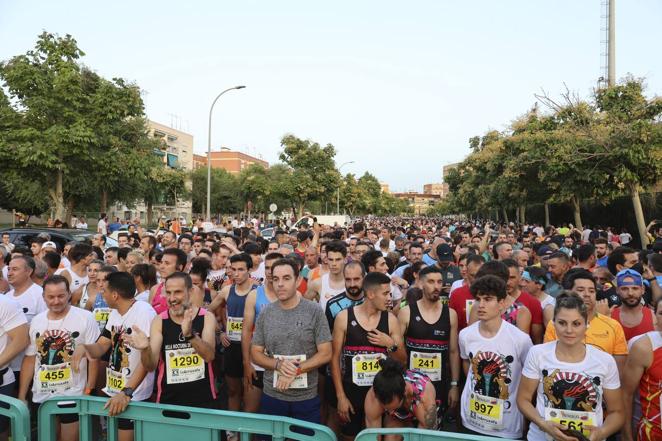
25, 236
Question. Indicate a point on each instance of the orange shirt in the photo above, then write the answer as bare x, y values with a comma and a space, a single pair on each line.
603, 332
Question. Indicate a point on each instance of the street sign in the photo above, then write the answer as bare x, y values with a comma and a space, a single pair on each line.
273, 207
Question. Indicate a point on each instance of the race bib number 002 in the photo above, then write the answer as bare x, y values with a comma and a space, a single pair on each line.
486, 412
428, 363
572, 419
184, 366
301, 380
365, 367
55, 378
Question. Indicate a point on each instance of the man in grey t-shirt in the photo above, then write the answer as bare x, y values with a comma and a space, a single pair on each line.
291, 341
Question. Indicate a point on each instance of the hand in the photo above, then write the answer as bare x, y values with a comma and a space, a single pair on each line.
402, 283
453, 396
117, 404
224, 340
284, 382
137, 339
596, 433
344, 408
249, 375
287, 368
187, 321
555, 431
79, 353
602, 307
378, 338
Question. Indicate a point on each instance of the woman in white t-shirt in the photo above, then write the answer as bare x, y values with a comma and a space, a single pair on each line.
570, 380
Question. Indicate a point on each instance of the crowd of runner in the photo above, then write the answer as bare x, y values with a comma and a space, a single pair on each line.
511, 331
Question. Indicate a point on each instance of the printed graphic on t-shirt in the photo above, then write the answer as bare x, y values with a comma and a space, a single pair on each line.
119, 352
55, 348
489, 398
571, 390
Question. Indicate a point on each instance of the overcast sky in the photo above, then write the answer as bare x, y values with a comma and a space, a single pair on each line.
396, 87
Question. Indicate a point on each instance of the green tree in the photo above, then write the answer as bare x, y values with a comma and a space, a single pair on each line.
314, 174
67, 130
225, 195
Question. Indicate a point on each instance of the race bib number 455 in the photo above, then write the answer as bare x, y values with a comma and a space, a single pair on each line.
55, 378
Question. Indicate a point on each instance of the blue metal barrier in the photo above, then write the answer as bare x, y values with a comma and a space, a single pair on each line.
19, 416
420, 435
165, 422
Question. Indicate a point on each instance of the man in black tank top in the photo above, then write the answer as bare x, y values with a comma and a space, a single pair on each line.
430, 334
362, 335
182, 346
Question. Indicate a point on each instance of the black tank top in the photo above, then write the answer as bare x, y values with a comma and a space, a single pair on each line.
426, 338
356, 341
183, 376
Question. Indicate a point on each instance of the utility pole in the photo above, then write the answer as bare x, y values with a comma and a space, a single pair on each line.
611, 50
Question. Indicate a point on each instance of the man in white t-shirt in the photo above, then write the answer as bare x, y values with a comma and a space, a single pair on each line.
13, 340
126, 378
26, 293
54, 335
493, 352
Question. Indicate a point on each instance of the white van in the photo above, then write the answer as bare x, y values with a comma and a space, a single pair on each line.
332, 220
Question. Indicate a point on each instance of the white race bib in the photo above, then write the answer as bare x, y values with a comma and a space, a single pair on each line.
428, 363
301, 380
486, 412
101, 316
183, 366
572, 419
55, 377
365, 367
235, 325
115, 381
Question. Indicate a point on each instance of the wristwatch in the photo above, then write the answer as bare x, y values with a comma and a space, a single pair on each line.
189, 337
128, 391
392, 349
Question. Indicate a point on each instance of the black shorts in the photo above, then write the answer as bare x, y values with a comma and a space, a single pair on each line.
124, 424
233, 361
259, 382
356, 395
65, 418
330, 392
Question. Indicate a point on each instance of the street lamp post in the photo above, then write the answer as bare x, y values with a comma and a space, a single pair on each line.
338, 198
209, 151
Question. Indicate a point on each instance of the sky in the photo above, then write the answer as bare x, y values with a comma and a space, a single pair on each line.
397, 87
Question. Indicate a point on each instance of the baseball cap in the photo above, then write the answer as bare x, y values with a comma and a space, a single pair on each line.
444, 253
545, 251
628, 273
49, 244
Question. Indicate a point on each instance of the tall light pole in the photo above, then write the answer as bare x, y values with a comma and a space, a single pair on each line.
209, 151
338, 198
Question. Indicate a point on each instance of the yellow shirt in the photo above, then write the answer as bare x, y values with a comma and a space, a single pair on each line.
603, 332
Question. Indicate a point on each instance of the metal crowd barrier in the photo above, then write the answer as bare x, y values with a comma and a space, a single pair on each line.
420, 435
19, 416
165, 422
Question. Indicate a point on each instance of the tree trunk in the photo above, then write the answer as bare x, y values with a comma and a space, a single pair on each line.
546, 214
497, 214
577, 213
522, 216
150, 213
639, 215
300, 210
57, 197
104, 202
69, 212
517, 215
505, 216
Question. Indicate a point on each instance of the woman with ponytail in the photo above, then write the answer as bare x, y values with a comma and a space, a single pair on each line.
406, 397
